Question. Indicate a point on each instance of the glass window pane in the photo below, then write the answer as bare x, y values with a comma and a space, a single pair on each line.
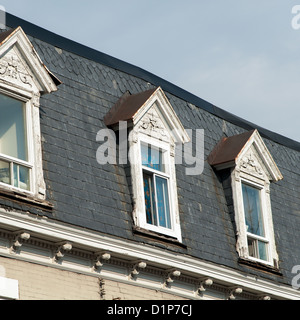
252, 249
152, 157
163, 207
149, 199
252, 209
4, 172
257, 249
262, 249
12, 128
21, 177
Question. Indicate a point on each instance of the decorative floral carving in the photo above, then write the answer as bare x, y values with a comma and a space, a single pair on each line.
11, 67
152, 125
251, 164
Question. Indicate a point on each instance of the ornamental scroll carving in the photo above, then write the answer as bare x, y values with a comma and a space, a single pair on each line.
152, 125
11, 69
250, 164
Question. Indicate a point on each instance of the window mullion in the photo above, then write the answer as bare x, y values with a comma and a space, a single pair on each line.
166, 198
151, 200
11, 168
155, 195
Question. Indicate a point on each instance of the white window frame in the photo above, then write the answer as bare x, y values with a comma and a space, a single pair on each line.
250, 162
29, 144
266, 224
24, 77
167, 161
167, 132
260, 181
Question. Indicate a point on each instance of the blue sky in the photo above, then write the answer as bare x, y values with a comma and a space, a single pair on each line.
242, 56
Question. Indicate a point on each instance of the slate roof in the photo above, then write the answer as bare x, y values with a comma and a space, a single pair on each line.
98, 197
109, 61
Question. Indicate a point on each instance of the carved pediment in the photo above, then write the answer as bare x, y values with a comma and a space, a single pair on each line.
247, 152
14, 70
20, 65
151, 124
149, 112
252, 164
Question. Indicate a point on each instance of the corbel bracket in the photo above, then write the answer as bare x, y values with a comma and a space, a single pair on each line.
61, 250
101, 257
264, 297
136, 267
171, 275
233, 292
20, 238
203, 284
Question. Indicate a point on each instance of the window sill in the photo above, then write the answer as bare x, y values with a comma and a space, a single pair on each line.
259, 266
23, 198
157, 236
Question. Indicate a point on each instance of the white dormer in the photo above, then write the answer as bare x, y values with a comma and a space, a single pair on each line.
252, 170
23, 78
156, 130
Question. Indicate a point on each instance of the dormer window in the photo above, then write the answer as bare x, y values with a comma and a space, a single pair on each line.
23, 78
254, 220
252, 170
156, 186
154, 132
15, 166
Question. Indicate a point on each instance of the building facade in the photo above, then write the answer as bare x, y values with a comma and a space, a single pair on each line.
116, 184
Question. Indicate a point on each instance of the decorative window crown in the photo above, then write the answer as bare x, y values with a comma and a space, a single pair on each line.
247, 151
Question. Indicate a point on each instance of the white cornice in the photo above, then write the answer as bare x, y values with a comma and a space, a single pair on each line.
90, 240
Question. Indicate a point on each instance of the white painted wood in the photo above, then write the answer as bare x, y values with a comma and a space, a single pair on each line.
156, 124
256, 167
23, 76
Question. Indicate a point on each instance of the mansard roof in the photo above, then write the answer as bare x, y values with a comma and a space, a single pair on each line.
109, 61
98, 197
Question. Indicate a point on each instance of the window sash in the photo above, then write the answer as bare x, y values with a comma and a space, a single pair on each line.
253, 212
256, 233
168, 173
13, 127
162, 201
152, 157
157, 199
20, 172
15, 174
149, 196
258, 247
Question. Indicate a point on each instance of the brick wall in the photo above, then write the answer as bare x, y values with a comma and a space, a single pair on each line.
121, 291
38, 282
44, 283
